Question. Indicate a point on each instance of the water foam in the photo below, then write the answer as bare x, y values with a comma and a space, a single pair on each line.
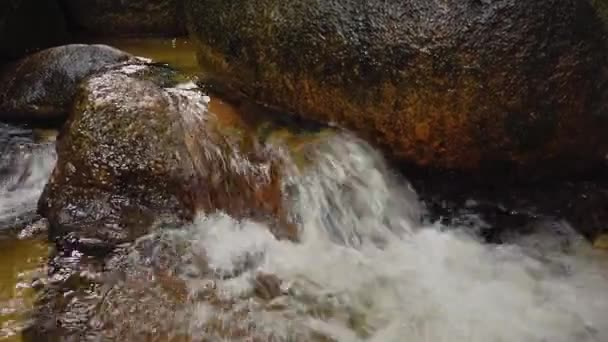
366, 269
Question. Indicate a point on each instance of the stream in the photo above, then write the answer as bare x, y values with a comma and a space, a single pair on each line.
366, 267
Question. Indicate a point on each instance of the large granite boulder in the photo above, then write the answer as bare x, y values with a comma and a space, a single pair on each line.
41, 87
127, 18
517, 85
30, 25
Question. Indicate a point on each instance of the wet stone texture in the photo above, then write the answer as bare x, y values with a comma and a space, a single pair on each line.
126, 18
139, 149
40, 88
137, 293
453, 84
121, 162
496, 212
142, 153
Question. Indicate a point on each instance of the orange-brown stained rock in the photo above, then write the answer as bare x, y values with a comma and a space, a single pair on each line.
134, 153
502, 81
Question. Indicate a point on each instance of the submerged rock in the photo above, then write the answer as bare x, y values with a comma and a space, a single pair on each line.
127, 18
138, 149
451, 84
41, 87
30, 25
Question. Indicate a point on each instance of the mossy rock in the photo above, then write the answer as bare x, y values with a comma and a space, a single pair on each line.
127, 18
41, 87
27, 26
457, 84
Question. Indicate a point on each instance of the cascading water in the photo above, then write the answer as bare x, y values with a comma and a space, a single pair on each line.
24, 170
365, 266
366, 269
25, 166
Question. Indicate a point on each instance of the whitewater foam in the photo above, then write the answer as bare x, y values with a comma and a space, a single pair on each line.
366, 269
25, 172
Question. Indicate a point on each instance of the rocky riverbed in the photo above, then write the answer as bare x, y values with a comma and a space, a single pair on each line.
324, 176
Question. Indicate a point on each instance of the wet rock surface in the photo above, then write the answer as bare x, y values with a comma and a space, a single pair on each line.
156, 288
27, 26
137, 292
144, 152
456, 84
98, 287
126, 18
496, 212
40, 88
122, 162
138, 149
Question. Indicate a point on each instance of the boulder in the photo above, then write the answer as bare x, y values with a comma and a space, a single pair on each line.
139, 149
127, 18
42, 86
30, 25
519, 85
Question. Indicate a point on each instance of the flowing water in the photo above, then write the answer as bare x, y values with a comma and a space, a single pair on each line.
367, 266
367, 269
25, 164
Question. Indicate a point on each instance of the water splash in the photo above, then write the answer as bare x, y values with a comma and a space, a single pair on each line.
366, 269
24, 170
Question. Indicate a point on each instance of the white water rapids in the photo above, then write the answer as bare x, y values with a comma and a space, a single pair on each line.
366, 269
24, 170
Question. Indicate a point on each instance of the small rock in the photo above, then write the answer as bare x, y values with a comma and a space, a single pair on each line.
267, 286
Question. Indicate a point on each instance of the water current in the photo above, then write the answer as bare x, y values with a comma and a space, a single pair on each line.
367, 267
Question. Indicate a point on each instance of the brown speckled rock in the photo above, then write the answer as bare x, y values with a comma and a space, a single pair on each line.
138, 149
449, 84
